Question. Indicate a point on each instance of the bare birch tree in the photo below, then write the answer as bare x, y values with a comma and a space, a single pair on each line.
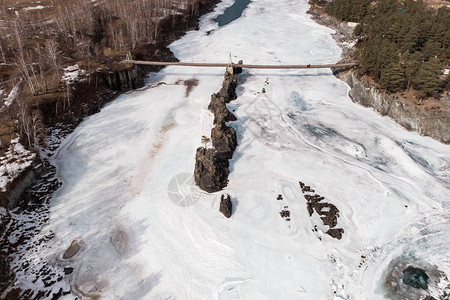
54, 55
37, 129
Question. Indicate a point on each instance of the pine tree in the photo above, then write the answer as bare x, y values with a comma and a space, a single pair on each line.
426, 81
393, 78
411, 64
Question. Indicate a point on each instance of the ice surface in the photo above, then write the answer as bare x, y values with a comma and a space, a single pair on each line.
122, 167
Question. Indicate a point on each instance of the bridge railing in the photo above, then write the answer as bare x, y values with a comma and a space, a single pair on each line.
246, 66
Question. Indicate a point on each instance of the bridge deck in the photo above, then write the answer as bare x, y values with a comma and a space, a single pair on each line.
246, 66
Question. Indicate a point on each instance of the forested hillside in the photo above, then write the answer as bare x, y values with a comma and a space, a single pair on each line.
46, 48
401, 44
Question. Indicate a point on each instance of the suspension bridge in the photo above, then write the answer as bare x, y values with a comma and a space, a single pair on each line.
240, 65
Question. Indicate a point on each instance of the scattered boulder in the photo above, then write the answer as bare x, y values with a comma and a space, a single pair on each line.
68, 270
335, 232
211, 170
73, 249
285, 213
226, 207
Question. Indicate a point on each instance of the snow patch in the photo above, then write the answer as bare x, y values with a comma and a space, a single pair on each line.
34, 8
11, 97
72, 74
16, 159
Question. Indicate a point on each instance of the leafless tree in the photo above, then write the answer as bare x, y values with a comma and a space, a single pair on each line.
85, 48
23, 67
24, 121
67, 96
205, 141
42, 63
54, 55
3, 44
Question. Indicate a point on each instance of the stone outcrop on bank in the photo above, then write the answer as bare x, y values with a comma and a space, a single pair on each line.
433, 122
36, 185
211, 165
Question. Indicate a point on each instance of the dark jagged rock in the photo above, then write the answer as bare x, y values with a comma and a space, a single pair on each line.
310, 208
335, 232
228, 90
211, 165
224, 139
328, 212
221, 113
432, 122
73, 249
415, 277
211, 170
226, 207
125, 79
285, 213
68, 270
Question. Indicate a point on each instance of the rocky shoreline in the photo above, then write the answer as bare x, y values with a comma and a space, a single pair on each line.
430, 119
27, 200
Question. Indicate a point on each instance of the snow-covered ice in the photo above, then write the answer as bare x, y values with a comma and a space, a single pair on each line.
121, 166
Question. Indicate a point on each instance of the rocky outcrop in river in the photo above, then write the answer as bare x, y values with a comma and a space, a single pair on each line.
211, 165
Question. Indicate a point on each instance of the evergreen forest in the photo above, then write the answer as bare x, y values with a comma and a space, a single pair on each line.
401, 44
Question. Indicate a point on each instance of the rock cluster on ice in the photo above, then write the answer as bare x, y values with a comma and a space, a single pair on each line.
328, 212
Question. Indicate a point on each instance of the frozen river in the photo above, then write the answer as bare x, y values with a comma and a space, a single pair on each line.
146, 232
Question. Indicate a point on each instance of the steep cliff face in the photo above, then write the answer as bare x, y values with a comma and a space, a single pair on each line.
433, 122
124, 80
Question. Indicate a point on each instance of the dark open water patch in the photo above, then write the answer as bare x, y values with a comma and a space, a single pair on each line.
232, 13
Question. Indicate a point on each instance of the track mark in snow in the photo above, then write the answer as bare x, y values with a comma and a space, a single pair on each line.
229, 289
182, 190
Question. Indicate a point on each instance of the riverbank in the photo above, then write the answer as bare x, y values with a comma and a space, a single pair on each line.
430, 117
27, 197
